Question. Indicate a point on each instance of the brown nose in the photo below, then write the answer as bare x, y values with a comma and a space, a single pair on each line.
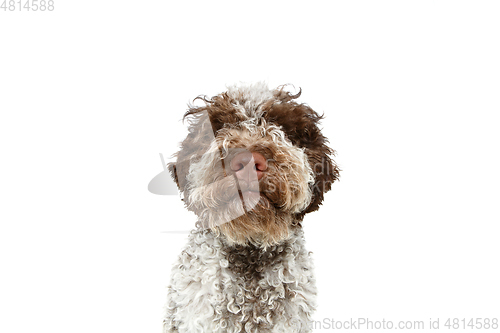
248, 166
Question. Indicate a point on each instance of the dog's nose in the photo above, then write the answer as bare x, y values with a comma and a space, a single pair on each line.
249, 166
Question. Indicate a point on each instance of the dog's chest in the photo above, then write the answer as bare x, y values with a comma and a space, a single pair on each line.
264, 289
258, 276
216, 288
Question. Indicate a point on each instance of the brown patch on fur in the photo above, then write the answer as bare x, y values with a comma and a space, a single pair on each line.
220, 109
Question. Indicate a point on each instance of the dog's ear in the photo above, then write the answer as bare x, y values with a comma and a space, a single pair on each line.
301, 125
325, 172
319, 155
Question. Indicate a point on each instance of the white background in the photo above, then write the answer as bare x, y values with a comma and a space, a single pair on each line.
91, 93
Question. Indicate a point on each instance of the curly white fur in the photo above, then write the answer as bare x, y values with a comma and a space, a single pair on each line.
253, 95
209, 292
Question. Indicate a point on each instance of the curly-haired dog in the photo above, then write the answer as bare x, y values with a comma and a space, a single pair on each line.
253, 164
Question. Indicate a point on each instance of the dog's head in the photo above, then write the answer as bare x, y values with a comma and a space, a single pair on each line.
253, 164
